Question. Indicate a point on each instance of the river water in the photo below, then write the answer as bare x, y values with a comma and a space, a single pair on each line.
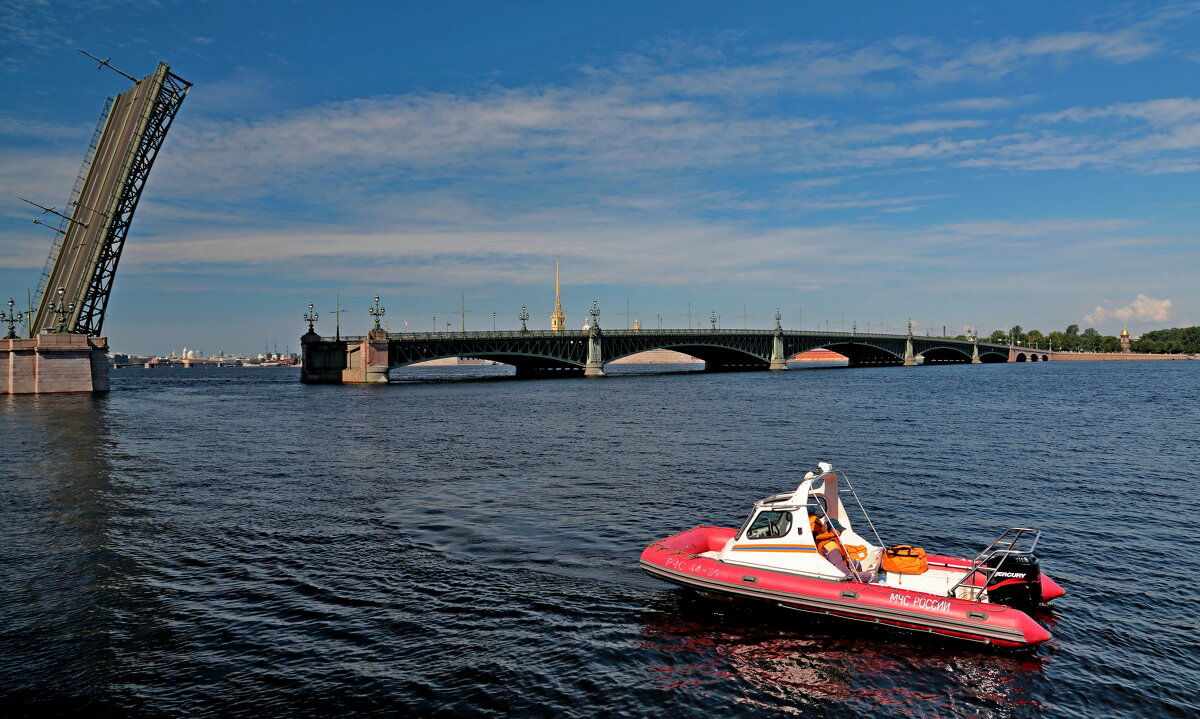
216, 542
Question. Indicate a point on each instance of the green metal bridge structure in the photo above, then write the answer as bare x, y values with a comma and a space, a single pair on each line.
545, 353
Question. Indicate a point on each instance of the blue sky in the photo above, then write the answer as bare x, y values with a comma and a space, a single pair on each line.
962, 164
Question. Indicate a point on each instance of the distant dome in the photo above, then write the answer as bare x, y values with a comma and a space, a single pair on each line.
1124, 332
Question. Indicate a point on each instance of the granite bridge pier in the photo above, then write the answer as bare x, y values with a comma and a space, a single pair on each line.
557, 353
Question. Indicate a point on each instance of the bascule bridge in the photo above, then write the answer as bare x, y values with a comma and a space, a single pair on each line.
64, 349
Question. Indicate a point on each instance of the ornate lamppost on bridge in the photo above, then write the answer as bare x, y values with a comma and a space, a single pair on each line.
595, 356
376, 311
713, 319
778, 358
12, 318
524, 317
310, 317
910, 359
61, 312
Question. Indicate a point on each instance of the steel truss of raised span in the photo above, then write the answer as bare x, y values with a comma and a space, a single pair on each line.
541, 352
84, 260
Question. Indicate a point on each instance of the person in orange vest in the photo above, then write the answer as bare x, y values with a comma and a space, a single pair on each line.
830, 545
822, 532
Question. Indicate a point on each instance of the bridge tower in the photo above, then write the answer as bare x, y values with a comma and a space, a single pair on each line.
558, 319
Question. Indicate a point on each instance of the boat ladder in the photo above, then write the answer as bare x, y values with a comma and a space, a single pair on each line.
1013, 542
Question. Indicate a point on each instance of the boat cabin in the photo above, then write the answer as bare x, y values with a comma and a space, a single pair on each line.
804, 532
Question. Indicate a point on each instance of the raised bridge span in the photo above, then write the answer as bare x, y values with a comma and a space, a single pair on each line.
559, 353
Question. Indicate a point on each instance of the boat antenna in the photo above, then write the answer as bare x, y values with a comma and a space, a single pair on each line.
861, 508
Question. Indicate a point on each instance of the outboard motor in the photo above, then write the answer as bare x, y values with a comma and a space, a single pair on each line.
1018, 583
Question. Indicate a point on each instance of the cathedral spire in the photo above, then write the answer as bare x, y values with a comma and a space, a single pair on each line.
558, 319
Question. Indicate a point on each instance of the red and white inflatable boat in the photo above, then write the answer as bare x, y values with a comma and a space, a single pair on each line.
800, 551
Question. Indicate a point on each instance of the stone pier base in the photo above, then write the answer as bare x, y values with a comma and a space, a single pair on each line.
54, 363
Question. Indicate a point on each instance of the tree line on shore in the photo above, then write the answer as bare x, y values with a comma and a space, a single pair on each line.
1179, 340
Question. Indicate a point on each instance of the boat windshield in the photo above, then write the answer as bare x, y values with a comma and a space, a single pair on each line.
770, 524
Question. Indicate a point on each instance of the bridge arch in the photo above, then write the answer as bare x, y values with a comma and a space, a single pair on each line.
1021, 357
864, 354
946, 355
525, 364
716, 356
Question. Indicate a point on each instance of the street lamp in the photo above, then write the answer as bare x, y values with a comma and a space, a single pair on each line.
524, 317
12, 318
60, 312
310, 317
376, 311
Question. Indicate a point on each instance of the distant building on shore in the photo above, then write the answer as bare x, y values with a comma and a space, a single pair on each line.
1125, 341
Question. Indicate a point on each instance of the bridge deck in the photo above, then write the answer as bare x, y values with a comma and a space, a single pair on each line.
549, 352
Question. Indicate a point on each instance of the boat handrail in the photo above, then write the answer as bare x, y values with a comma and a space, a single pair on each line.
1004, 549
861, 508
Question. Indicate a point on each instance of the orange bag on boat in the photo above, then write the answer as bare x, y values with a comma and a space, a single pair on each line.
856, 551
905, 559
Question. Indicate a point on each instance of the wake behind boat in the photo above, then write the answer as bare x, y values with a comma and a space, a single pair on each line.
799, 550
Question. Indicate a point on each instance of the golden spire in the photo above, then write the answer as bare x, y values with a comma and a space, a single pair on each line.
558, 319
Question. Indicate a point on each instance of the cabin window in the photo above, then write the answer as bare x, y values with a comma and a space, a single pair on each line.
769, 525
817, 505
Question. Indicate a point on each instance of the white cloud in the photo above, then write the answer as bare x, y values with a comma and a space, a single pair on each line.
1164, 112
1143, 308
1058, 227
979, 104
